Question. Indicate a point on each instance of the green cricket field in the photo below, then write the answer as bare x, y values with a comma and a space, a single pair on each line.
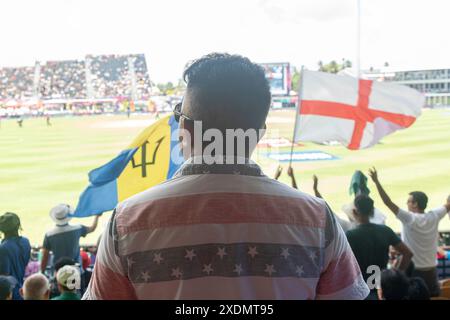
41, 166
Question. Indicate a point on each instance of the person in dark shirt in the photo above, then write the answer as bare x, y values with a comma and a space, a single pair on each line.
370, 242
15, 251
64, 239
394, 285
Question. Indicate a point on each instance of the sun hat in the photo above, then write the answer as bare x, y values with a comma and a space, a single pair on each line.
61, 214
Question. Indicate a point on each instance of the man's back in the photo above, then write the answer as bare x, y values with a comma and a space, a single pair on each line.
14, 257
420, 233
64, 241
370, 244
224, 232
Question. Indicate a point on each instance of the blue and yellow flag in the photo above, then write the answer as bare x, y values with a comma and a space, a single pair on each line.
151, 158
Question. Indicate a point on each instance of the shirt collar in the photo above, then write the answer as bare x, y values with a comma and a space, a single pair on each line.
228, 165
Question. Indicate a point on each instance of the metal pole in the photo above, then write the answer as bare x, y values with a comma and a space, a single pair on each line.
358, 38
297, 115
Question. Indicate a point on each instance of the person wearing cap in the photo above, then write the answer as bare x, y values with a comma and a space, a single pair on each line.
35, 287
14, 251
69, 280
7, 285
63, 240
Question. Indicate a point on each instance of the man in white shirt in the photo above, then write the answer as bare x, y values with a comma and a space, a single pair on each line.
420, 231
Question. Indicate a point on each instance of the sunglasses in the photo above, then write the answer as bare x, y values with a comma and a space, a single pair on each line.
178, 114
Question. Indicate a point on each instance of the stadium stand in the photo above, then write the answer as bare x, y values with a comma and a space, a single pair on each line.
96, 76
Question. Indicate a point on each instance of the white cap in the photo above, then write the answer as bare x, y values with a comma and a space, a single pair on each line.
61, 214
69, 277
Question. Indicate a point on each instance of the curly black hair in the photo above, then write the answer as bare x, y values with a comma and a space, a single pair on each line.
227, 91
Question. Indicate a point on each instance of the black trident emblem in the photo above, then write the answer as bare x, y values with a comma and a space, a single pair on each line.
143, 165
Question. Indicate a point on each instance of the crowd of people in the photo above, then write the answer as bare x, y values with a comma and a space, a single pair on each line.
16, 83
225, 230
110, 76
411, 261
58, 271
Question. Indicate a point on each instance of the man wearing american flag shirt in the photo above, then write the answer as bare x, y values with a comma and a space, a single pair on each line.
222, 229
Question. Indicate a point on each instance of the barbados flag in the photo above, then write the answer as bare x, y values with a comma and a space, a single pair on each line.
153, 157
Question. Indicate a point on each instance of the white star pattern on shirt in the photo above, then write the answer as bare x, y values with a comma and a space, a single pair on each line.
221, 252
270, 269
190, 254
145, 276
299, 271
176, 273
238, 269
157, 258
285, 252
312, 255
252, 251
207, 268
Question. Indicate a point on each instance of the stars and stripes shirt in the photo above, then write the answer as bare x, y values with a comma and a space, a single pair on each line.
224, 232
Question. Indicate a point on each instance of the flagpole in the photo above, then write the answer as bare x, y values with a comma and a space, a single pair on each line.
358, 39
300, 92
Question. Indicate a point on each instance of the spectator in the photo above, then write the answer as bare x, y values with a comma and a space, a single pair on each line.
420, 232
418, 290
394, 285
278, 172
64, 239
68, 279
290, 173
35, 287
370, 242
224, 230
34, 265
346, 225
61, 262
7, 285
14, 251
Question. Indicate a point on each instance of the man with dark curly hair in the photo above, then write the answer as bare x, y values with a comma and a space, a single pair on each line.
220, 228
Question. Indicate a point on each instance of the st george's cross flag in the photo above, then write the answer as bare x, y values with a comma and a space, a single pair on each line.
355, 112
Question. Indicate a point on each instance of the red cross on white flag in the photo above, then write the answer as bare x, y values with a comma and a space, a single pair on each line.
357, 113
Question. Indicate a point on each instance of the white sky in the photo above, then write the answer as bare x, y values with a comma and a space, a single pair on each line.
406, 33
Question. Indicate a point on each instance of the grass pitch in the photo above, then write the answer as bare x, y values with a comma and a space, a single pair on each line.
41, 166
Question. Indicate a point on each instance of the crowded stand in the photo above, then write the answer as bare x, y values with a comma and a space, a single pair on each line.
63, 80
95, 80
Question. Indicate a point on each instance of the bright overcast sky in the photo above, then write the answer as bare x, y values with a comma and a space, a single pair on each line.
406, 33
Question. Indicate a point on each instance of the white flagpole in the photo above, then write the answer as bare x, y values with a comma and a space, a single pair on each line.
300, 93
358, 39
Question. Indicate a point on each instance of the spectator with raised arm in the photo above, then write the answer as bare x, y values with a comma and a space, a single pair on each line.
278, 172
370, 242
64, 239
420, 231
346, 225
290, 173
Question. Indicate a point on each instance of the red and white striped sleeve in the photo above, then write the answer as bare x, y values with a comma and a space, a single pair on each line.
109, 281
341, 277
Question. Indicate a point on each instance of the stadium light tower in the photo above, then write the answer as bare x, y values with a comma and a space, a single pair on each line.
87, 72
36, 80
132, 74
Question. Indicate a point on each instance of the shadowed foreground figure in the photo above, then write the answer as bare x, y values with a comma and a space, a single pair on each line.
223, 229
